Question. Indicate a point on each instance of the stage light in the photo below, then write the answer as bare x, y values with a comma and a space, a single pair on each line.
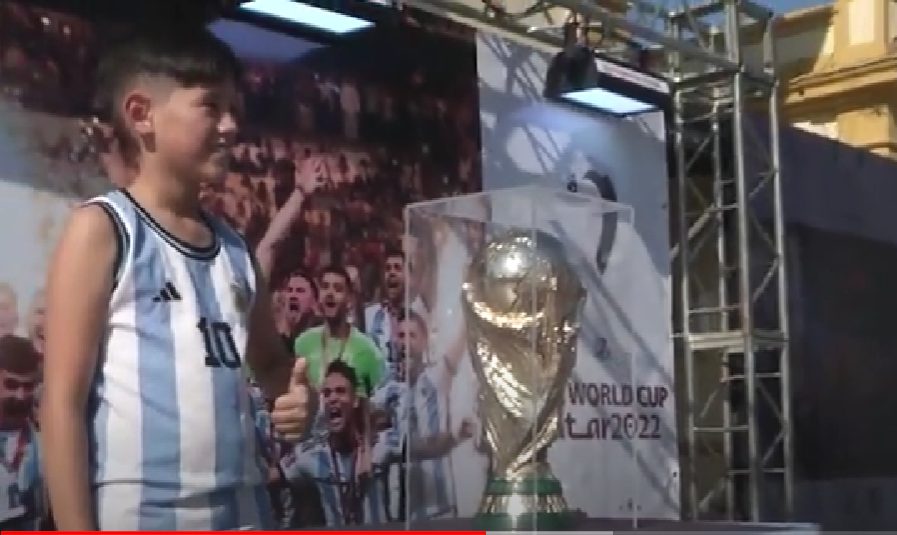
578, 76
307, 15
609, 101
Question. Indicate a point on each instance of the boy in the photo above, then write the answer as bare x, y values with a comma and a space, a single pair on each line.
152, 309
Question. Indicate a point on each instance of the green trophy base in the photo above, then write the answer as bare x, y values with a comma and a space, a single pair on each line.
534, 502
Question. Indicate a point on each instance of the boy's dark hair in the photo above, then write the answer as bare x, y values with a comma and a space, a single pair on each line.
341, 368
188, 53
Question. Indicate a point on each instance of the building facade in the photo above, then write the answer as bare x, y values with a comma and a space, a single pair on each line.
839, 72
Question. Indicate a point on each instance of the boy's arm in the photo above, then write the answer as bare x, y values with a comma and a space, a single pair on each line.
79, 284
266, 355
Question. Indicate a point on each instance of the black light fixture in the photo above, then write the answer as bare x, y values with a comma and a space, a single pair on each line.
578, 76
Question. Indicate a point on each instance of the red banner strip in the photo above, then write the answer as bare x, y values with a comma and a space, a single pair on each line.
333, 532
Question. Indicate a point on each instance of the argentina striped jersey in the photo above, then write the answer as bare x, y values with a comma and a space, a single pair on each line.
346, 499
392, 397
21, 486
172, 438
429, 480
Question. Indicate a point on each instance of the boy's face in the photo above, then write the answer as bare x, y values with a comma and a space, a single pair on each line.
187, 131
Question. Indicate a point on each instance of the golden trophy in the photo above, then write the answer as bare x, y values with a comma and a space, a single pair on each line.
522, 302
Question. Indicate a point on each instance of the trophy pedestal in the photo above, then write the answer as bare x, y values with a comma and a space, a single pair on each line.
533, 501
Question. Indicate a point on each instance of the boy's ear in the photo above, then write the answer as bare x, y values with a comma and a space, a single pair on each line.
137, 111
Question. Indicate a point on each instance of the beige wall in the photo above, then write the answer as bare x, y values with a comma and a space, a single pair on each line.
839, 72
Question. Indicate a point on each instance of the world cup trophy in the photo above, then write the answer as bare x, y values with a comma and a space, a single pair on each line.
522, 302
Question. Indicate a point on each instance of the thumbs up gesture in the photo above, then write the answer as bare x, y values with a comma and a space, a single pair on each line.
293, 410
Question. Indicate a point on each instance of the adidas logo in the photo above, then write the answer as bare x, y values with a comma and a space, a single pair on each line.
167, 293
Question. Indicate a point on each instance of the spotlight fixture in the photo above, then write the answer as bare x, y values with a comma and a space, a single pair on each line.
578, 76
303, 14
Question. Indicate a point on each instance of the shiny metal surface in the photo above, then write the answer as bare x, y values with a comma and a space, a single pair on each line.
522, 302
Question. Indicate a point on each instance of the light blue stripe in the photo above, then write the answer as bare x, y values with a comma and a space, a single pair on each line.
32, 465
398, 413
224, 505
160, 429
432, 403
227, 388
328, 494
375, 506
235, 248
265, 439
377, 327
346, 473
265, 511
388, 364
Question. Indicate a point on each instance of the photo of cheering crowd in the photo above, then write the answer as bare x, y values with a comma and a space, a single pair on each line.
333, 147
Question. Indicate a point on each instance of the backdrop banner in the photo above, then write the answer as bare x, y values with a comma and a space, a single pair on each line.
618, 455
336, 141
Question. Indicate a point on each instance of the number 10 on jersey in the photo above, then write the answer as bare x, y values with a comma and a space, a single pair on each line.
221, 350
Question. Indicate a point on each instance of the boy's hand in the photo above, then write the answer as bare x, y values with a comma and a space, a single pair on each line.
292, 410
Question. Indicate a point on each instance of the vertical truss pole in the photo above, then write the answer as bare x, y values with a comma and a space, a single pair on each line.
732, 459
769, 54
746, 308
722, 320
708, 256
705, 260
684, 257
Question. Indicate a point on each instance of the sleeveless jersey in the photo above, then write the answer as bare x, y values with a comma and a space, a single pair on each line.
172, 438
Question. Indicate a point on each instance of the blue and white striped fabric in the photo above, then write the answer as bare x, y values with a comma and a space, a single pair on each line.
392, 397
333, 473
25, 481
264, 427
379, 326
430, 487
172, 442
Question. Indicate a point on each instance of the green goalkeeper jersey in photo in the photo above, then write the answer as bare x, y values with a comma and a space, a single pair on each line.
357, 350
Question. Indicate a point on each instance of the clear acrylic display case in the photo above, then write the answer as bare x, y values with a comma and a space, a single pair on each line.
512, 383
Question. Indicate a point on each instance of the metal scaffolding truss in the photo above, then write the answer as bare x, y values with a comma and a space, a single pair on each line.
731, 326
727, 169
